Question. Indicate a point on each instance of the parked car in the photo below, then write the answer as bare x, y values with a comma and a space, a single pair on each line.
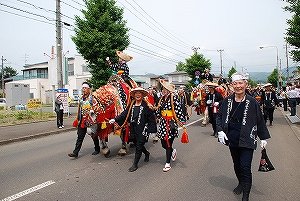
3, 102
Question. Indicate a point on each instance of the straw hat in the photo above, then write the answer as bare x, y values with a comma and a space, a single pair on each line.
267, 85
124, 56
140, 89
167, 85
211, 84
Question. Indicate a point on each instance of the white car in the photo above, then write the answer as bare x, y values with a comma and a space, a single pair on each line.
3, 102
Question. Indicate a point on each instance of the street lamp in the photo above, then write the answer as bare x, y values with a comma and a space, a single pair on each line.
279, 73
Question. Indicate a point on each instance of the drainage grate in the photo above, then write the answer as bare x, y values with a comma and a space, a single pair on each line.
293, 119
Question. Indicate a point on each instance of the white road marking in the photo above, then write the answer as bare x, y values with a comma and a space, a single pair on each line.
30, 190
191, 123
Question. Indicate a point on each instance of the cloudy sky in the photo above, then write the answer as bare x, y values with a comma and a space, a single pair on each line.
163, 32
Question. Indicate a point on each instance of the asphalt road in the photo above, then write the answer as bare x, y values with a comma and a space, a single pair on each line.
39, 169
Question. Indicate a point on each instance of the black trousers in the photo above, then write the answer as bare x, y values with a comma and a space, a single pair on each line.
139, 149
268, 113
242, 159
81, 132
169, 150
284, 102
60, 118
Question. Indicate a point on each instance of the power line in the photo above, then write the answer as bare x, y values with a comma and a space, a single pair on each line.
160, 24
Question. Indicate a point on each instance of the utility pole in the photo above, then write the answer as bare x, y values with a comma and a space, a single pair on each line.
2, 75
59, 45
221, 59
287, 63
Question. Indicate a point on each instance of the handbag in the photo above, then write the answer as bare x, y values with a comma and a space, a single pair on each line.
265, 164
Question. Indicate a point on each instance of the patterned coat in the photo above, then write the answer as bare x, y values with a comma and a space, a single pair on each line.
253, 124
141, 123
164, 123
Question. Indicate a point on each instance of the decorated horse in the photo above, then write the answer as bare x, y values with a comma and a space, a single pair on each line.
111, 99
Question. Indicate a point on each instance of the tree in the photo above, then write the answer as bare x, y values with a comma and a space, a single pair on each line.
180, 66
196, 62
231, 72
8, 72
98, 35
273, 77
293, 33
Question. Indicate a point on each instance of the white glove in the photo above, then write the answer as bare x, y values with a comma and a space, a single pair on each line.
216, 104
112, 121
263, 143
222, 137
152, 135
107, 58
208, 102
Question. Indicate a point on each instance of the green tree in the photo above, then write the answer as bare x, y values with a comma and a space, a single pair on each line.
293, 32
196, 62
251, 82
273, 77
180, 66
231, 72
98, 35
8, 72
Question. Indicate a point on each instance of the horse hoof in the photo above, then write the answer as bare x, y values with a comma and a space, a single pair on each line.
122, 152
106, 152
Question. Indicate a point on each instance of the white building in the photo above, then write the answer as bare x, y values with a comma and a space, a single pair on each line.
42, 77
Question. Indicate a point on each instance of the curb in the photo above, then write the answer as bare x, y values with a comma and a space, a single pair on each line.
5, 142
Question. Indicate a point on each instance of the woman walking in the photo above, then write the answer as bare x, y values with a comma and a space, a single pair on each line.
169, 112
142, 123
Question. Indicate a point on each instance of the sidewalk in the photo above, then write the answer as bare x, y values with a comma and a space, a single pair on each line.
9, 134
14, 133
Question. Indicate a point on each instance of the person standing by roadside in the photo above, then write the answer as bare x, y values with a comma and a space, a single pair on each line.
283, 95
268, 103
292, 97
212, 99
59, 109
84, 119
169, 112
142, 123
239, 123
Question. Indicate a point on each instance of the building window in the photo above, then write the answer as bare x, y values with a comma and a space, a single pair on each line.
70, 69
42, 73
175, 79
85, 68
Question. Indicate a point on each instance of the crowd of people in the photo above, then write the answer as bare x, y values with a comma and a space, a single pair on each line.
238, 115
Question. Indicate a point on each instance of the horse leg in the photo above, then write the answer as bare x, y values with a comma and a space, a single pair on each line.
124, 149
105, 149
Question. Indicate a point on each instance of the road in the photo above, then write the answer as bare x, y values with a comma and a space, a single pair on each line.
41, 169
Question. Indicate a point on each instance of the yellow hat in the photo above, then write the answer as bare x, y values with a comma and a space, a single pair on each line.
211, 84
167, 85
141, 89
124, 56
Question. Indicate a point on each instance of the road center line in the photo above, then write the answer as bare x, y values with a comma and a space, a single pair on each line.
30, 190
191, 123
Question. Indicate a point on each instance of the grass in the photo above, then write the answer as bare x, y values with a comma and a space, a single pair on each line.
12, 117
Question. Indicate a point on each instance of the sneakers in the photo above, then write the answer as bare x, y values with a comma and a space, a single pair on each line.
60, 127
167, 167
174, 154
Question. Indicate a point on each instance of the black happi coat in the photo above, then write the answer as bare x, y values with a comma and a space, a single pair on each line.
142, 122
253, 124
269, 100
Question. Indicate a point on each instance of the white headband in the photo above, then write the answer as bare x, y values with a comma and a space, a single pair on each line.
236, 77
86, 86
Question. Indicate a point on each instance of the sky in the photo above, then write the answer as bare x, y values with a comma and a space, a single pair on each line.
162, 33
